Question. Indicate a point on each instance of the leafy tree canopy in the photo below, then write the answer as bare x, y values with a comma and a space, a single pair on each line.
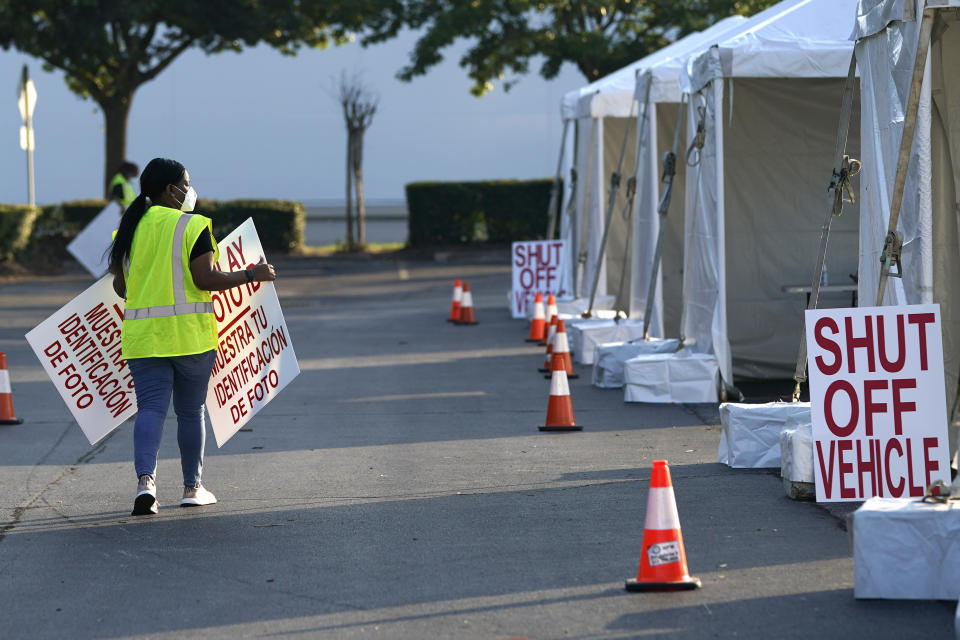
109, 48
598, 36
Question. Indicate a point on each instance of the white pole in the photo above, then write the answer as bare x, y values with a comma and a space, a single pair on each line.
28, 125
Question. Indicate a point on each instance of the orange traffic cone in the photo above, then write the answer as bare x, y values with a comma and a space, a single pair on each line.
551, 335
455, 304
559, 407
561, 350
536, 324
663, 562
7, 416
551, 311
466, 306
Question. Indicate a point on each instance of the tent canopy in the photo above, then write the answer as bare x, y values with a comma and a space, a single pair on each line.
612, 95
755, 200
792, 39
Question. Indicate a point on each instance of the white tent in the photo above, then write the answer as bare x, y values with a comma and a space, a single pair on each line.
887, 33
604, 114
658, 95
769, 100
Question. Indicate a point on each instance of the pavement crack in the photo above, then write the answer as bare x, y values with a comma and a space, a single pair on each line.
86, 458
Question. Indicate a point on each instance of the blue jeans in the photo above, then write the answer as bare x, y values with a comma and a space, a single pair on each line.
154, 380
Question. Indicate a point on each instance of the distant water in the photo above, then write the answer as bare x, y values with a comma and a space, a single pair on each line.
326, 224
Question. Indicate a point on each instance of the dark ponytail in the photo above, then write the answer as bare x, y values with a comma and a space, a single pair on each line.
158, 173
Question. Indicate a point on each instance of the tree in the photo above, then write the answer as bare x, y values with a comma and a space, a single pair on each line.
598, 36
109, 48
359, 104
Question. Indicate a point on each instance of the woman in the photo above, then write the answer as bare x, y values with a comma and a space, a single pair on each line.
120, 188
162, 260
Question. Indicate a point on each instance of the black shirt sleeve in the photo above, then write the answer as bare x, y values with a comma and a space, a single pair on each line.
117, 192
204, 244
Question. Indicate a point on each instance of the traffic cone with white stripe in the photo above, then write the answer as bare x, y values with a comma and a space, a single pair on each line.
551, 311
561, 350
536, 324
466, 306
559, 406
663, 562
7, 416
455, 303
551, 334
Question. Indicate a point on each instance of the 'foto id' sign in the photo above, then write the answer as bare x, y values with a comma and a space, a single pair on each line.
537, 266
255, 357
79, 347
877, 401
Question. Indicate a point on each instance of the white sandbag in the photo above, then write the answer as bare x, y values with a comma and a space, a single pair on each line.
610, 357
576, 327
750, 433
796, 448
591, 336
574, 307
956, 622
906, 549
796, 458
683, 376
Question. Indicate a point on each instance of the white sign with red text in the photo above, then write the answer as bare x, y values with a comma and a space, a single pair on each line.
91, 247
877, 401
79, 348
537, 265
255, 357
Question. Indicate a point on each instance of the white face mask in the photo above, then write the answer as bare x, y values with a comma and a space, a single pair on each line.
189, 199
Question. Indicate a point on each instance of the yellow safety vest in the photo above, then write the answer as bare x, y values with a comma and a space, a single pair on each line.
128, 193
166, 314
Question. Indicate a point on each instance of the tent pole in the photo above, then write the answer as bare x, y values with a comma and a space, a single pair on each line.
574, 247
553, 210
669, 163
894, 240
611, 202
843, 169
628, 217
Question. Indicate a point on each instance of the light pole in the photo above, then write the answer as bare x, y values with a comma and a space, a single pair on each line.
26, 101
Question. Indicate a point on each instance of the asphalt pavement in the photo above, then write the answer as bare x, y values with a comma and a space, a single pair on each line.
399, 488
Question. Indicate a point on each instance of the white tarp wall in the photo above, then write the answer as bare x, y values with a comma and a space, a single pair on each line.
566, 226
606, 109
657, 140
887, 35
770, 100
657, 93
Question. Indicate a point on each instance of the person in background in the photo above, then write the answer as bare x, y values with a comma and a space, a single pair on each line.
120, 188
163, 262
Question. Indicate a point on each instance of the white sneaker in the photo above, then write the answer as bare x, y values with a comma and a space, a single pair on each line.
197, 497
145, 503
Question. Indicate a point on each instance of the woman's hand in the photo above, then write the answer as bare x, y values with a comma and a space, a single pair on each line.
207, 277
264, 272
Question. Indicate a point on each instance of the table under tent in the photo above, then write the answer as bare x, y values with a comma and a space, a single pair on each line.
767, 100
888, 39
607, 142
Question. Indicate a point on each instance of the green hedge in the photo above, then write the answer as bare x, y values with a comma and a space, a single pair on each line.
16, 225
490, 211
40, 240
279, 223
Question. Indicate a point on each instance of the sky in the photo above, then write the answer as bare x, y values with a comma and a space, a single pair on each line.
263, 125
